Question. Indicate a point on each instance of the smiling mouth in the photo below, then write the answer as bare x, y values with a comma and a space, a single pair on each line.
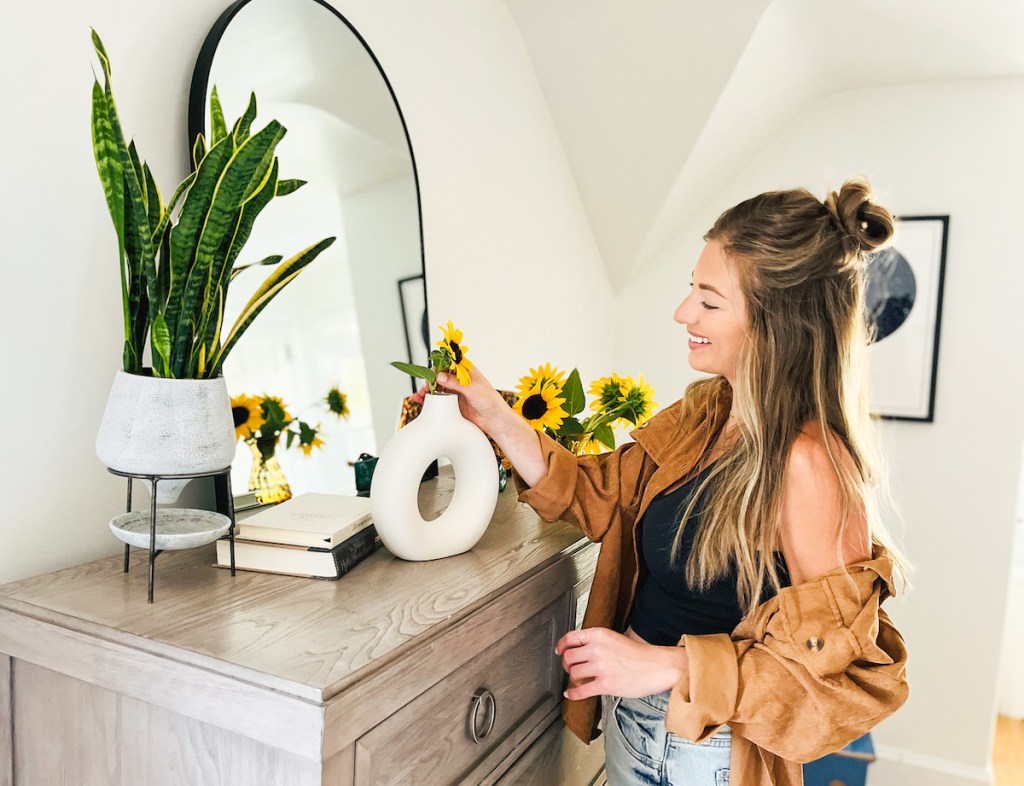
698, 342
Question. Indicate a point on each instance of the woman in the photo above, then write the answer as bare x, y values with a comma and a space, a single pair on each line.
778, 483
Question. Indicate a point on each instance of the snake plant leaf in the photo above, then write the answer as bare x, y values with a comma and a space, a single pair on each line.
243, 228
235, 181
162, 341
185, 233
218, 128
108, 164
273, 259
140, 175
285, 187
156, 206
136, 216
572, 392
275, 282
165, 219
240, 132
101, 52
199, 151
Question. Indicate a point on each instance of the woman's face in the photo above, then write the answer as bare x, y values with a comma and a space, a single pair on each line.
715, 313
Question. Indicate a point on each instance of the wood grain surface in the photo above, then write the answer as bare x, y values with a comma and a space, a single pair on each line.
295, 635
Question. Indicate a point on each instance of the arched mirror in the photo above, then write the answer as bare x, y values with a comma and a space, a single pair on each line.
362, 303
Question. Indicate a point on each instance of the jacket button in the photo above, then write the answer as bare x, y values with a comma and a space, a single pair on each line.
815, 644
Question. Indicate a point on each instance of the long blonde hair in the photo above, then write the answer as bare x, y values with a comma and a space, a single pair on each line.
801, 266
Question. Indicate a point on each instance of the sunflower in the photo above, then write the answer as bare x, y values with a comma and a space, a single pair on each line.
308, 438
639, 399
337, 402
453, 346
541, 406
544, 375
247, 414
609, 393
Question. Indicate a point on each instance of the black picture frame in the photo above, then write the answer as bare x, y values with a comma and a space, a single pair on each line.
905, 292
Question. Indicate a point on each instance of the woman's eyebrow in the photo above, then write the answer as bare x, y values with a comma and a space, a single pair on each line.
708, 287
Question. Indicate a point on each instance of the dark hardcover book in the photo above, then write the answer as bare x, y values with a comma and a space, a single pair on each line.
292, 560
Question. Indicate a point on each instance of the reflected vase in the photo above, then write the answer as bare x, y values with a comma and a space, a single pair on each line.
267, 480
439, 430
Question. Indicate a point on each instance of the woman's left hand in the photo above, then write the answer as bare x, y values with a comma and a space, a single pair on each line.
600, 661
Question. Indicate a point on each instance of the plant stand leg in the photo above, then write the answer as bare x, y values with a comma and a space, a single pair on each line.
128, 509
152, 539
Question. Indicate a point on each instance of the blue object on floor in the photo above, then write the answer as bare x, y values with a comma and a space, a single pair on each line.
846, 767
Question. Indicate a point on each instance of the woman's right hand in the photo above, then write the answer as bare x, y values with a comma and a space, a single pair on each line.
481, 404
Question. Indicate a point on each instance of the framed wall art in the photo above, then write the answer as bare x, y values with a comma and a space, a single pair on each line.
904, 303
412, 296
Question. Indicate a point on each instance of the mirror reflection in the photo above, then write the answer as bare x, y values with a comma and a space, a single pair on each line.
362, 303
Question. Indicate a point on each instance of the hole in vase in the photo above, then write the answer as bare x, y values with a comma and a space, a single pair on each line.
432, 505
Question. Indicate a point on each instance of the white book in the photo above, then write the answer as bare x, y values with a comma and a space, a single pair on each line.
315, 520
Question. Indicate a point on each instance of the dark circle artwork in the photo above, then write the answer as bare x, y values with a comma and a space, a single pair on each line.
891, 292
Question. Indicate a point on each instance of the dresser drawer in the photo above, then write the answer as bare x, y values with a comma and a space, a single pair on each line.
499, 696
558, 757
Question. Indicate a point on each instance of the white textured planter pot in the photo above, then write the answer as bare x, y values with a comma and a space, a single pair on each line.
439, 430
166, 426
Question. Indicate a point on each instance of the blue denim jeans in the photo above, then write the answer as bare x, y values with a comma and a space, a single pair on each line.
638, 749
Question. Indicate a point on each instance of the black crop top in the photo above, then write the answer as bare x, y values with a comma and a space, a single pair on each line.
665, 607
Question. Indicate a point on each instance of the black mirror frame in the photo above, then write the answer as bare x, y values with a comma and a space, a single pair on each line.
197, 97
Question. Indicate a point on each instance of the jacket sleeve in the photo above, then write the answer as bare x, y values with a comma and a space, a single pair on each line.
591, 491
817, 669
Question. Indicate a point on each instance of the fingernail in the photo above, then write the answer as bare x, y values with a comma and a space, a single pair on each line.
565, 693
442, 377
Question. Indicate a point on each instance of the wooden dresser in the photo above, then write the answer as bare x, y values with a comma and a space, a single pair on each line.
383, 677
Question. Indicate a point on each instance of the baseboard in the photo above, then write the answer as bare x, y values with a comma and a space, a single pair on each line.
898, 767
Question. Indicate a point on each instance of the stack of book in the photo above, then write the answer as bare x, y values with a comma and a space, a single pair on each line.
316, 535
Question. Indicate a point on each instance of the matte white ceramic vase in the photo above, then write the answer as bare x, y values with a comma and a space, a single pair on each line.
159, 426
439, 430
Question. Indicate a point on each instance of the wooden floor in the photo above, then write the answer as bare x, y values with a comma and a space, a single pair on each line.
1008, 755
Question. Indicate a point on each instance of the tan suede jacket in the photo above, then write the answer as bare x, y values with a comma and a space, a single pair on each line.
813, 668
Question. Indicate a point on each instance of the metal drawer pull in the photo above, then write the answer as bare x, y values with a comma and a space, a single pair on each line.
485, 698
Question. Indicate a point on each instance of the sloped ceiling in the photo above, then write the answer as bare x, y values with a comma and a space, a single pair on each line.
629, 86
660, 104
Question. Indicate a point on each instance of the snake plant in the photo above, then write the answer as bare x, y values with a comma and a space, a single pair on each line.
178, 259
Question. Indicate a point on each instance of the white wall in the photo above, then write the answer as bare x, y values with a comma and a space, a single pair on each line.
506, 239
957, 149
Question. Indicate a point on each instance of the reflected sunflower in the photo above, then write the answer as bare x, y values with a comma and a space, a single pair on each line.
308, 448
337, 402
541, 407
452, 345
247, 414
544, 375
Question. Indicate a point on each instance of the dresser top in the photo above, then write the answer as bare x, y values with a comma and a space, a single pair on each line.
302, 636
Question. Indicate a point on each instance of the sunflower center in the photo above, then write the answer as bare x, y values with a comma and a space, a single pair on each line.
457, 350
535, 407
239, 415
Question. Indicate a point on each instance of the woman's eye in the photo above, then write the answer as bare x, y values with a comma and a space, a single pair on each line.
709, 308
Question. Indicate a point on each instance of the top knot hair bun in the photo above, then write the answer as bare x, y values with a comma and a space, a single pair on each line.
863, 225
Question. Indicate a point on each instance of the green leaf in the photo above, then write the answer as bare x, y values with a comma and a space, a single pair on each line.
108, 165
570, 426
416, 371
278, 280
162, 340
273, 259
218, 128
240, 132
605, 436
285, 187
198, 151
572, 392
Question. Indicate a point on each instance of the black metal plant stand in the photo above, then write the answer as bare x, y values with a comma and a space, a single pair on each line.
222, 489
